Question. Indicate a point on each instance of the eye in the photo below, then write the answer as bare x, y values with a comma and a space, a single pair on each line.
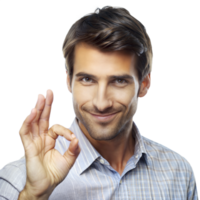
120, 82
85, 78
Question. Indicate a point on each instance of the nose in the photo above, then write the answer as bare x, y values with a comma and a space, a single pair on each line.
102, 100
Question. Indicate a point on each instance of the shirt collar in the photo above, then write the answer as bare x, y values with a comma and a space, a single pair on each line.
89, 154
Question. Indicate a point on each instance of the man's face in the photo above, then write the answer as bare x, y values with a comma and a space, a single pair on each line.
98, 90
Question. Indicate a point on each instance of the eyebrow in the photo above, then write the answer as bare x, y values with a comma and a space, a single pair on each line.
122, 76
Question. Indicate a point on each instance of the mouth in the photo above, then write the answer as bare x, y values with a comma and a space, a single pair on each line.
103, 118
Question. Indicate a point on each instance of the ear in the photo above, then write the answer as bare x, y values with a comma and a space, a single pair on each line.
68, 82
145, 85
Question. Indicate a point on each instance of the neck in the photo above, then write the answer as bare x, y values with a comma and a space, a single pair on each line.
118, 150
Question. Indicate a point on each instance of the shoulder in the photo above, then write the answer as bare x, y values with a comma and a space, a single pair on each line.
166, 158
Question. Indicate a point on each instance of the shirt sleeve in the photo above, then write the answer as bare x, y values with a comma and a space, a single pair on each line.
192, 188
2, 198
7, 191
13, 175
12, 180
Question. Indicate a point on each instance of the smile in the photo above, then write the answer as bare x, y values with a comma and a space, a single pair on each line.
103, 118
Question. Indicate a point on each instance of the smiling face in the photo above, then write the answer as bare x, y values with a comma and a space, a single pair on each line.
104, 88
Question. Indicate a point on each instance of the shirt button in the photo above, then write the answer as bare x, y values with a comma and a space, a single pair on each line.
136, 156
120, 181
101, 161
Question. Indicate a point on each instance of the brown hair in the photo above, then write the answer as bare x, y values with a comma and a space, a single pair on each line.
110, 29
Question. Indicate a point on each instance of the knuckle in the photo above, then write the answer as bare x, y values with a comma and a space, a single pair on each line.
70, 154
55, 126
60, 130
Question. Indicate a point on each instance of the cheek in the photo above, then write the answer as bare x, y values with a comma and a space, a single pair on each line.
82, 94
125, 96
128, 99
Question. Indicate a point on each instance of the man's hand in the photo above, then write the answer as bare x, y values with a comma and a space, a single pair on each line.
45, 166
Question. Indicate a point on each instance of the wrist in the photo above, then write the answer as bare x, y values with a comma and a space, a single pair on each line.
25, 195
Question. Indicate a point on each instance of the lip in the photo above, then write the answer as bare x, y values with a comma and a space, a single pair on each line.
103, 118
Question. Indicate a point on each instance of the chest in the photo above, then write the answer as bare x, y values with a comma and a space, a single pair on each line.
142, 183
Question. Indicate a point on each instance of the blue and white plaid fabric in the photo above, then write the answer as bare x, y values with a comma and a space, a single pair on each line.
154, 172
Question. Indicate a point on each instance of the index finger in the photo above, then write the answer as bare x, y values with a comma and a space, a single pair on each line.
57, 130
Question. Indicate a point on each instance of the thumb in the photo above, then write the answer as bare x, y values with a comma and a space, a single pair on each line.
73, 151
74, 148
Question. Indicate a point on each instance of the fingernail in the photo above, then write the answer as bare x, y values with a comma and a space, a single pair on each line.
76, 150
73, 136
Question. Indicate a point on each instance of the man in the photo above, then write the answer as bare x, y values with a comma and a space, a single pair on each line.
103, 155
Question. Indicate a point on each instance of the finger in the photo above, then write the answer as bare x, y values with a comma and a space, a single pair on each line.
57, 130
44, 118
39, 108
74, 148
72, 153
26, 127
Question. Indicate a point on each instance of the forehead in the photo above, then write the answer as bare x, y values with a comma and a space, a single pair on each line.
91, 60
